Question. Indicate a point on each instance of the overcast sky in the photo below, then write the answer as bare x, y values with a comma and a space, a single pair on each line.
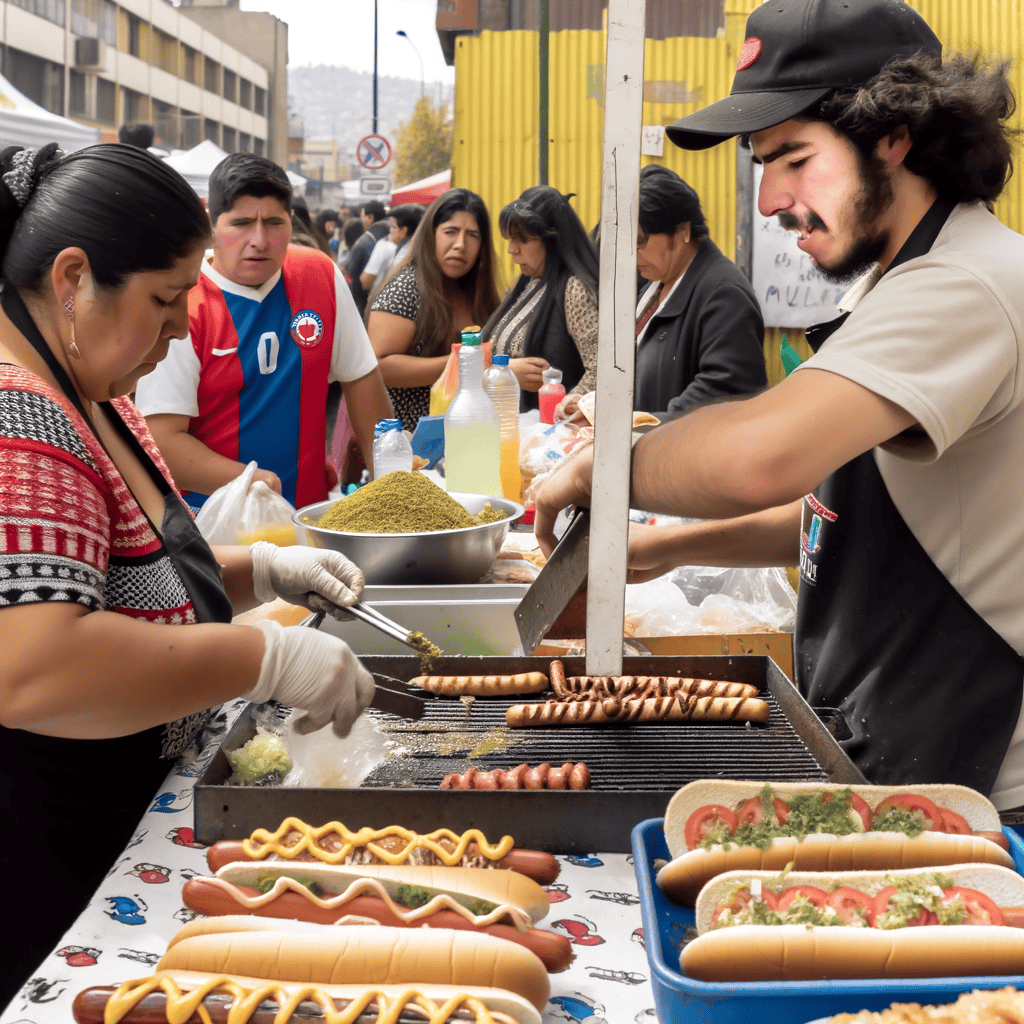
340, 32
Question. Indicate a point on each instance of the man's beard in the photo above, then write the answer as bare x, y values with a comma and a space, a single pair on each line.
874, 198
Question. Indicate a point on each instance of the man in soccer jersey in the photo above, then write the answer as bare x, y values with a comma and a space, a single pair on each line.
270, 326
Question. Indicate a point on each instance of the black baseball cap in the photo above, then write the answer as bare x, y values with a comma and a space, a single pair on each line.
797, 51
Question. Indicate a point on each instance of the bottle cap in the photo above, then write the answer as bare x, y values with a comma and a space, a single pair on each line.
471, 335
551, 376
385, 426
499, 360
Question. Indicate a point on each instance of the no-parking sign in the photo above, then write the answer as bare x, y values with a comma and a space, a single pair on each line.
374, 152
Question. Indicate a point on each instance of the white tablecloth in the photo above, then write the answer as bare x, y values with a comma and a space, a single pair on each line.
138, 908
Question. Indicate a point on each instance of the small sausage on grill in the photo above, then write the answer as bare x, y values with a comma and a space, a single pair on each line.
566, 776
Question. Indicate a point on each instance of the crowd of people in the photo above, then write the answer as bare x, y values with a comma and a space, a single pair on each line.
887, 466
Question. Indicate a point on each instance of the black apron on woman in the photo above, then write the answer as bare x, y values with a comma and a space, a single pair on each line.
930, 691
69, 807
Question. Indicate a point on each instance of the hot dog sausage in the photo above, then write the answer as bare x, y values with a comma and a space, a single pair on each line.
679, 708
544, 776
483, 686
645, 687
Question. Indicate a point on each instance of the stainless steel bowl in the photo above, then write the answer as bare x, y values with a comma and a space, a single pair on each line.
440, 556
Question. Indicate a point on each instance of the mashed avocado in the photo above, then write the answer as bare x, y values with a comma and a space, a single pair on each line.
263, 761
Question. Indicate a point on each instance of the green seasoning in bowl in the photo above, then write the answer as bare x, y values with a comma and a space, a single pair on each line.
401, 503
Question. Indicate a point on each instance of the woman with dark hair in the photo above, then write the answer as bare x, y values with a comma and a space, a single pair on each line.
549, 316
699, 329
445, 284
101, 690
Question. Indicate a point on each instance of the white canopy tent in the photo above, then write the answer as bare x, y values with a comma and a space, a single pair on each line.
196, 165
25, 123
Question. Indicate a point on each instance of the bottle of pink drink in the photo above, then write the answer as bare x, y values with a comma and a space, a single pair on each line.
552, 391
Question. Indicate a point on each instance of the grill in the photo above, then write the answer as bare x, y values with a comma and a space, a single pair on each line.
634, 769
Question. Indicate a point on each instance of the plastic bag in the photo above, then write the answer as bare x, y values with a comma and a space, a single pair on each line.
542, 447
243, 512
442, 391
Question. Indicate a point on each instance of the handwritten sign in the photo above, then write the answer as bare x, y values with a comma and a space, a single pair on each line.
789, 288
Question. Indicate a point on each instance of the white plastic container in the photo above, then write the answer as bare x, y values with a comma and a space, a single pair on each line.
503, 389
392, 451
472, 447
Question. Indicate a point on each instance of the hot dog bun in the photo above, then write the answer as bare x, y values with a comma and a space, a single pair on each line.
295, 951
682, 878
801, 952
524, 898
183, 991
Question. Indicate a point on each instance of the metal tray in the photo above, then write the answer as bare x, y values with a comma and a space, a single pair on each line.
635, 769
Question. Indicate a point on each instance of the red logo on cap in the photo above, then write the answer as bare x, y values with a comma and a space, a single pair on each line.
750, 52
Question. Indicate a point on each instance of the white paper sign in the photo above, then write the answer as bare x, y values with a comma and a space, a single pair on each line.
652, 140
789, 288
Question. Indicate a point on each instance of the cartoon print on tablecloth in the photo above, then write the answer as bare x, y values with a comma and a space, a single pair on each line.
40, 990
172, 803
558, 892
586, 860
79, 956
151, 874
577, 1009
140, 956
581, 932
184, 915
184, 835
625, 899
125, 910
638, 936
623, 977
648, 1016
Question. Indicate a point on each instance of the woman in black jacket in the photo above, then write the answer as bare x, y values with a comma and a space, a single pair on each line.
549, 316
700, 334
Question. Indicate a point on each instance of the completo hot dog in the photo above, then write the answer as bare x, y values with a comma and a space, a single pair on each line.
333, 843
295, 951
504, 904
567, 776
913, 923
223, 999
679, 708
713, 826
483, 686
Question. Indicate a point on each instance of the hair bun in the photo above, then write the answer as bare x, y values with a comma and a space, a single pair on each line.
24, 169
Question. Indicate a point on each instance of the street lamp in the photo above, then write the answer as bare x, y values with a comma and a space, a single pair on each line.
401, 32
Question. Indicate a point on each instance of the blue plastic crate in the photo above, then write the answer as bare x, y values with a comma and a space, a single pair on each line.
681, 1000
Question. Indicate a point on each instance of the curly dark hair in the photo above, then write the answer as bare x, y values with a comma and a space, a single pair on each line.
955, 111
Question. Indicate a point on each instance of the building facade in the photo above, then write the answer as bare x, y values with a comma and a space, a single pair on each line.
112, 62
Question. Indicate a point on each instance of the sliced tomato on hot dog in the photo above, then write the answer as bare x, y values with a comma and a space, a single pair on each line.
954, 823
888, 914
742, 900
751, 812
712, 822
851, 904
811, 893
914, 804
859, 811
981, 909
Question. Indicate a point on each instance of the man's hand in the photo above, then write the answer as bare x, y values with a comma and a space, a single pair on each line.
647, 558
272, 480
570, 484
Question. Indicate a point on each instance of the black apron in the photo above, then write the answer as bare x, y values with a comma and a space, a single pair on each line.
930, 691
77, 802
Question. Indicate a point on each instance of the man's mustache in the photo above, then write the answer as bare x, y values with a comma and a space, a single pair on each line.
791, 223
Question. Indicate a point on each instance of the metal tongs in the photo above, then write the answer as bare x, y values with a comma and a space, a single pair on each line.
391, 695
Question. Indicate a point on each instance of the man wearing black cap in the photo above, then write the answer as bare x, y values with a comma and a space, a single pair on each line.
888, 466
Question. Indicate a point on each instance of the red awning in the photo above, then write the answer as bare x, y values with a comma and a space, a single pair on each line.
424, 191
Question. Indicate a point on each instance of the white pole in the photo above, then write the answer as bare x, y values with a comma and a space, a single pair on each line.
620, 187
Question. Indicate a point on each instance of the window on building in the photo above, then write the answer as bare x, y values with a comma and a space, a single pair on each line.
51, 10
244, 142
40, 80
106, 101
95, 19
135, 108
230, 143
135, 42
76, 94
245, 93
191, 129
259, 105
163, 53
191, 64
259, 147
211, 130
108, 22
211, 76
230, 85
165, 125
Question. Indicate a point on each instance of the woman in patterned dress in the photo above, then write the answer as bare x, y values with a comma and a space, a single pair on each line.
445, 284
102, 687
549, 316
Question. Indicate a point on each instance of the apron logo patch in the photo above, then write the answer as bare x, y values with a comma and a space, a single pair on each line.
813, 532
307, 329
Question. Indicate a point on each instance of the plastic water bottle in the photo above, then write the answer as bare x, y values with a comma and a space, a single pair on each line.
501, 385
552, 391
391, 449
472, 428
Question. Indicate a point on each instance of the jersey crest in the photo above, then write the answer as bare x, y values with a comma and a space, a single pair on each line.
307, 328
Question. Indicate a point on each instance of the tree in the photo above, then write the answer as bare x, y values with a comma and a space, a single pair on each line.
423, 144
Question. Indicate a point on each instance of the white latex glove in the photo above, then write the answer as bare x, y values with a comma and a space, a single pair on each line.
315, 672
316, 579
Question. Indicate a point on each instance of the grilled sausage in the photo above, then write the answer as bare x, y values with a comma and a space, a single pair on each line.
483, 686
566, 776
679, 708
